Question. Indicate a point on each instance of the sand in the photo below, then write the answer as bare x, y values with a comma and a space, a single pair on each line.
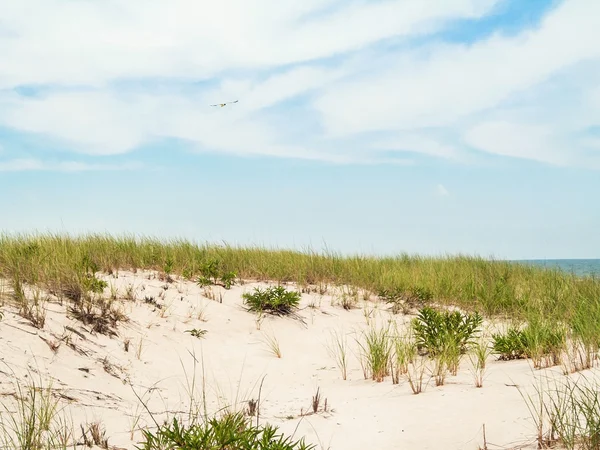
97, 378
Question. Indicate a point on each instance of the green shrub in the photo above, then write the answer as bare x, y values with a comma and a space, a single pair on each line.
510, 345
538, 340
228, 279
437, 332
544, 342
274, 299
212, 272
232, 432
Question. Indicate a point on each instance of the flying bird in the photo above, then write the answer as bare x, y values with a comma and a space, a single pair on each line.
226, 103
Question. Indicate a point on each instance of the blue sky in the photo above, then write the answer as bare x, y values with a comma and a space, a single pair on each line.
446, 126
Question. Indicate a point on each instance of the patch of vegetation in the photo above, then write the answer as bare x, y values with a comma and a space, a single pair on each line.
566, 413
274, 300
437, 331
197, 333
376, 352
66, 266
37, 422
101, 315
539, 340
403, 300
231, 431
510, 345
212, 273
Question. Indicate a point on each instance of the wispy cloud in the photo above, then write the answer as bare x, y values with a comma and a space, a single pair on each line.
344, 82
29, 164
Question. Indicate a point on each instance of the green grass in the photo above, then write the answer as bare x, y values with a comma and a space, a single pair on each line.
274, 300
68, 265
233, 431
492, 287
566, 413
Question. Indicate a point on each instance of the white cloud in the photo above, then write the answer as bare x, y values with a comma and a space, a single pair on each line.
97, 42
452, 81
496, 95
419, 144
452, 87
442, 191
32, 164
519, 141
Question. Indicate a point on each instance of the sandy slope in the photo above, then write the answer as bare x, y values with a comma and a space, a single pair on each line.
100, 377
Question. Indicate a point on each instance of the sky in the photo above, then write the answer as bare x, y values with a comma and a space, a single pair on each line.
362, 126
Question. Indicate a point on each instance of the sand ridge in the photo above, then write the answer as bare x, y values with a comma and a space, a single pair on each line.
155, 356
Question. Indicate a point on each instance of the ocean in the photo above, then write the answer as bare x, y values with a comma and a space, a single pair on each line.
578, 267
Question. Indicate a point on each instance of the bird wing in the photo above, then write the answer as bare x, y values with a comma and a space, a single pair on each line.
226, 103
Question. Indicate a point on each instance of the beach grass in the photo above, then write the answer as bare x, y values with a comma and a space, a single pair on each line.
66, 265
558, 312
490, 286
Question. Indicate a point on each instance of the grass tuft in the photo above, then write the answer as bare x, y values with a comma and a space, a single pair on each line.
274, 300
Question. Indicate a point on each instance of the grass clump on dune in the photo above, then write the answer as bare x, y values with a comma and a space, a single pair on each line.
232, 431
274, 300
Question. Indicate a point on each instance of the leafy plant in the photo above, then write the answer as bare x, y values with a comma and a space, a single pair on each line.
435, 331
539, 340
510, 345
210, 270
196, 333
274, 300
232, 431
228, 279
203, 281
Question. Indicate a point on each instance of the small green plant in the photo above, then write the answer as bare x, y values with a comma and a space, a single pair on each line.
211, 273
275, 300
544, 342
228, 279
338, 349
404, 353
539, 340
232, 431
196, 333
210, 270
480, 351
203, 281
439, 332
510, 345
376, 351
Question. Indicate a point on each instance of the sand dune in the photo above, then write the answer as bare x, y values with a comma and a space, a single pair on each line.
155, 356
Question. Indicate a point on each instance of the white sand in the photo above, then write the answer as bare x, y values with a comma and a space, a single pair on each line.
362, 414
